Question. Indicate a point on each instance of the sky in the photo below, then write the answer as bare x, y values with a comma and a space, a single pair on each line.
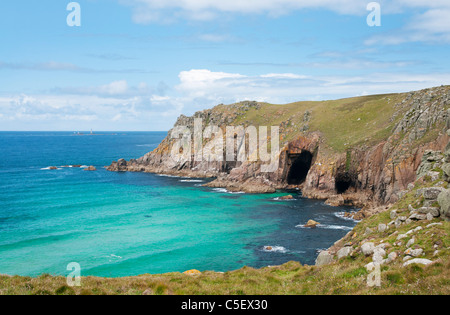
137, 65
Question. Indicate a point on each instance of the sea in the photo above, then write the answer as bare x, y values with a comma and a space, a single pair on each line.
128, 224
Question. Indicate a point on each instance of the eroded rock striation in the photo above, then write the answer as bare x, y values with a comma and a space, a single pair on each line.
353, 151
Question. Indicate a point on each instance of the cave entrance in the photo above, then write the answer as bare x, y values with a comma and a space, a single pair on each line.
343, 182
300, 166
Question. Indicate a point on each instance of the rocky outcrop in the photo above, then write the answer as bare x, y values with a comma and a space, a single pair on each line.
377, 170
324, 258
444, 203
430, 204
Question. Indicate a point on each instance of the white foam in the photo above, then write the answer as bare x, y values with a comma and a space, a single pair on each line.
220, 190
225, 191
279, 199
335, 227
171, 176
48, 168
327, 227
191, 181
115, 256
275, 249
340, 215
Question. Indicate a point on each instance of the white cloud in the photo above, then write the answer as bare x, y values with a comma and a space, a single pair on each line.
197, 83
283, 76
159, 99
146, 11
54, 66
433, 25
119, 88
210, 88
428, 19
198, 89
115, 88
432, 21
216, 38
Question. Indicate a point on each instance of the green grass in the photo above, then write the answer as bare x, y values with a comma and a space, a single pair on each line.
343, 123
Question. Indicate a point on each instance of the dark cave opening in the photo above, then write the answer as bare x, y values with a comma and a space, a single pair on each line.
343, 182
300, 166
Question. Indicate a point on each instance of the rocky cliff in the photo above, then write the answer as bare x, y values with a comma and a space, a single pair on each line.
350, 151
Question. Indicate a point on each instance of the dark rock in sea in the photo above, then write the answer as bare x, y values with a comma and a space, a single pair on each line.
52, 168
90, 168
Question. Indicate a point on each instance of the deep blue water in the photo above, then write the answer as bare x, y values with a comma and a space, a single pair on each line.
124, 224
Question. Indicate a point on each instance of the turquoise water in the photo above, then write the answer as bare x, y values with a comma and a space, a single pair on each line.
124, 224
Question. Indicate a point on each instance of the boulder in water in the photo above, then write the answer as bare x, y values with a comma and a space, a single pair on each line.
312, 224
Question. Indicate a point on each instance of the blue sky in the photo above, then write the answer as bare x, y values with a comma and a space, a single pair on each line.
139, 64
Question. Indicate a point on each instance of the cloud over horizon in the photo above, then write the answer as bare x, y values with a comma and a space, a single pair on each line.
197, 89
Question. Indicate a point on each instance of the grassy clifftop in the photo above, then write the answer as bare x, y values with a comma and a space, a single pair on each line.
344, 123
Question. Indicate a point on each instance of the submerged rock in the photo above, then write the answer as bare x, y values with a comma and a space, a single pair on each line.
289, 197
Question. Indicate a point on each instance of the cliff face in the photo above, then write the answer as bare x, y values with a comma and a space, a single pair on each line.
384, 170
347, 151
